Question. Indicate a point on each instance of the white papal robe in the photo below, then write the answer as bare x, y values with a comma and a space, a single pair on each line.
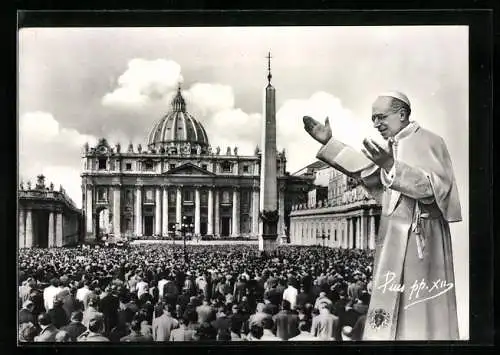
413, 294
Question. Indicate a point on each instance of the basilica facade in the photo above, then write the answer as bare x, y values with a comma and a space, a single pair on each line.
179, 179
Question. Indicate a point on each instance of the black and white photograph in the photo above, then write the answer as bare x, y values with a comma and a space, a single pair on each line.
251, 183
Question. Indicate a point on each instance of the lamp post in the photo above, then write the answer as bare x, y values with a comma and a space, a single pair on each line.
172, 232
185, 227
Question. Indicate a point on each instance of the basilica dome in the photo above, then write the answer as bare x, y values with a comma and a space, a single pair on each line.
178, 126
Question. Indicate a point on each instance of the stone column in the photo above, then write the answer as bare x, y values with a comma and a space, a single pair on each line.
22, 231
158, 212
52, 235
236, 213
255, 212
89, 211
138, 211
178, 207
197, 210
164, 219
363, 232
351, 233
59, 230
217, 214
29, 229
281, 209
371, 240
358, 235
117, 210
210, 212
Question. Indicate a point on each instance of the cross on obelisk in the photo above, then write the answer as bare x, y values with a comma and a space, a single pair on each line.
269, 75
268, 181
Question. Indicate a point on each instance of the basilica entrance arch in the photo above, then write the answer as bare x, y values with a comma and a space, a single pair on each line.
103, 222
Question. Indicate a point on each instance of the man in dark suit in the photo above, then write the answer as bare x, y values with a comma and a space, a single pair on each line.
75, 328
109, 305
48, 330
58, 314
71, 303
26, 313
286, 322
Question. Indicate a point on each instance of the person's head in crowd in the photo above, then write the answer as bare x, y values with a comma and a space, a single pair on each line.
62, 337
223, 335
304, 326
58, 302
27, 332
96, 324
256, 331
93, 301
44, 319
29, 305
206, 332
169, 309
268, 323
158, 309
191, 316
54, 282
235, 308
286, 306
76, 316
260, 307
135, 325
72, 291
64, 280
365, 298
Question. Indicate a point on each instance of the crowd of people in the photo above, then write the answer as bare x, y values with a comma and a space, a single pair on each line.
148, 293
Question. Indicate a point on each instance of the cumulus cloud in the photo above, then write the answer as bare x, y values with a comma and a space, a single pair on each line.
209, 98
143, 81
149, 86
48, 148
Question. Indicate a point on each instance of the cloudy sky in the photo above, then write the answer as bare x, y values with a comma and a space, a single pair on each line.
77, 85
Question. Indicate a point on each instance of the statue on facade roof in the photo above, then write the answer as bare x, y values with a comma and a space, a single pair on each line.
28, 184
198, 149
86, 147
209, 150
118, 147
218, 150
21, 185
235, 150
40, 185
228, 151
257, 150
130, 148
139, 148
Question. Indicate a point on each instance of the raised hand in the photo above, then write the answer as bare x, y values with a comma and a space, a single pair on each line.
321, 133
378, 155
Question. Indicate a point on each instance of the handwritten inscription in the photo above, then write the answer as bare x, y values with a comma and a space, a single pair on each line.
420, 290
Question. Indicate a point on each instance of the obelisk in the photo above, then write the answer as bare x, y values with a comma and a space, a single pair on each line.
268, 181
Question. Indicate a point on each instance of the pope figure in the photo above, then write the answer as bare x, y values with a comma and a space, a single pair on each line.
413, 295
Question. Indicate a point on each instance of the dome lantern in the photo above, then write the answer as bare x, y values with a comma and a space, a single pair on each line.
178, 126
